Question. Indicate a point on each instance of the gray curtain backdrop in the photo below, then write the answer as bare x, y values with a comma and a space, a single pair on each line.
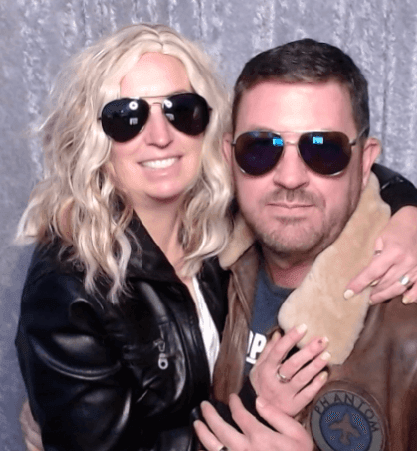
37, 36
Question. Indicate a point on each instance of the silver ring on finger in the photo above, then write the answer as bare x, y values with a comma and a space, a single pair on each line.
283, 379
224, 448
404, 280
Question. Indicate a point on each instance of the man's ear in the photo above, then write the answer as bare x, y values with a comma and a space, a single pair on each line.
227, 149
370, 152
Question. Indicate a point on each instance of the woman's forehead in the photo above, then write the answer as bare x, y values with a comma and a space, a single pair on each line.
155, 74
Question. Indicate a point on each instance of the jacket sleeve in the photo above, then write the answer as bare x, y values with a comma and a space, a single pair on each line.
77, 390
396, 190
409, 414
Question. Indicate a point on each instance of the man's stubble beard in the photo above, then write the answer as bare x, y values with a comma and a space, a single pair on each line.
290, 239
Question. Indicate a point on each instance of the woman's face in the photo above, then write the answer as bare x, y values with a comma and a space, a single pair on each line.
160, 162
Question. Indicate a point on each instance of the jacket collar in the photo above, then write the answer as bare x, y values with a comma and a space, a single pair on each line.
318, 301
147, 260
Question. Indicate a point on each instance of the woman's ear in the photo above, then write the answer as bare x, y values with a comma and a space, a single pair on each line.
109, 170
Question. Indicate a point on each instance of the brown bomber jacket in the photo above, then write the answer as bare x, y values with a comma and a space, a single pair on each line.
370, 399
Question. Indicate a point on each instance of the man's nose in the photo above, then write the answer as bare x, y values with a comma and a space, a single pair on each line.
157, 131
291, 171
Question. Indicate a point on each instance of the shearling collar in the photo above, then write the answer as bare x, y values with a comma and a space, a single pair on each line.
318, 301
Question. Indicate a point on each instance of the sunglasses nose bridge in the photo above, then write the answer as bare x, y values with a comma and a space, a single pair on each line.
157, 130
152, 104
296, 143
297, 148
288, 144
163, 111
290, 170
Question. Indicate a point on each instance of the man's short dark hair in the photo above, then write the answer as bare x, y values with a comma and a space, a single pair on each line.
307, 60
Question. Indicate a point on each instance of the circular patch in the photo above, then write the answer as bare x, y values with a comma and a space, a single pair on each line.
344, 421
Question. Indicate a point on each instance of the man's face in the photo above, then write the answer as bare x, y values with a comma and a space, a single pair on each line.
293, 210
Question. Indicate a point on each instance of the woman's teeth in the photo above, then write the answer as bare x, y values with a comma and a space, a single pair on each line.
160, 164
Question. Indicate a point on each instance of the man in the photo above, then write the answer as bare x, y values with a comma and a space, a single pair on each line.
301, 160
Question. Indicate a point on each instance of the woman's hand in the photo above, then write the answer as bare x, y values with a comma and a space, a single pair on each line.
30, 429
291, 385
288, 435
393, 270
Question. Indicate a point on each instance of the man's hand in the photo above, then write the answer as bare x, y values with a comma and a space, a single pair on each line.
393, 270
288, 435
291, 385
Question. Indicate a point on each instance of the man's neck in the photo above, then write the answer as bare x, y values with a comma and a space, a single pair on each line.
285, 272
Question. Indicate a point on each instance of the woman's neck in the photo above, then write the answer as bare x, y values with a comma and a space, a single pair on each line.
163, 224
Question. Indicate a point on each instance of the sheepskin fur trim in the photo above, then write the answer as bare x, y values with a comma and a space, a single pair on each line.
318, 302
242, 239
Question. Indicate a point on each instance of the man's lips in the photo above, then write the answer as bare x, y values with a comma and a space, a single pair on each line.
289, 206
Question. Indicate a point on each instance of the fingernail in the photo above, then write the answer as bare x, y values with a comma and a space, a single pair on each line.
325, 356
275, 335
374, 283
348, 294
323, 341
406, 300
261, 402
323, 375
301, 328
371, 302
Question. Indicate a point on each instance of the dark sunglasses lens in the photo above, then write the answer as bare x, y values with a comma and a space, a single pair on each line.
257, 153
326, 153
188, 113
123, 119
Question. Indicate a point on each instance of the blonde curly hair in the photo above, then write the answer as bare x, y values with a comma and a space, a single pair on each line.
77, 201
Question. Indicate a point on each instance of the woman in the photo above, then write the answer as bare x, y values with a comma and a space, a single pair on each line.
117, 311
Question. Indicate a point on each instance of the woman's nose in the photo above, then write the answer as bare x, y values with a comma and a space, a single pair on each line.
157, 130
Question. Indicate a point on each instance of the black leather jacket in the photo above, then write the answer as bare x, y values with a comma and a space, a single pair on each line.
105, 377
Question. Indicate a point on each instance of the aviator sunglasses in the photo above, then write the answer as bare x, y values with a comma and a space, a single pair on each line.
123, 119
324, 152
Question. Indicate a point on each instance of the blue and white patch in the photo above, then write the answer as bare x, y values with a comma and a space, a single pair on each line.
344, 421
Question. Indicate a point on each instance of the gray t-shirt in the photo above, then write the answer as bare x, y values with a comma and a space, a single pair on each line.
268, 300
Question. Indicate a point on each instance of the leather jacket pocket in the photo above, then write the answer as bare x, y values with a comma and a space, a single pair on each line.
160, 368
